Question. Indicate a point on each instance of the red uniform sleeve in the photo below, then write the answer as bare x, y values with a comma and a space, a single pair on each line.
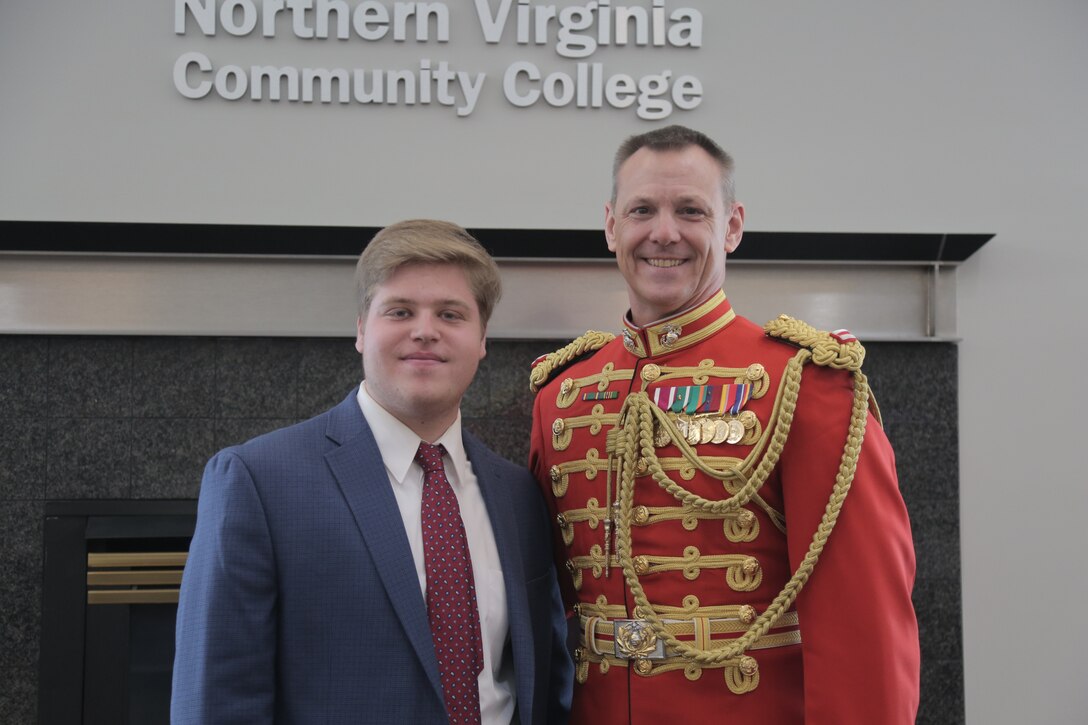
539, 437
858, 627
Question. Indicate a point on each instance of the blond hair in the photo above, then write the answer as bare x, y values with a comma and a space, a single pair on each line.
427, 241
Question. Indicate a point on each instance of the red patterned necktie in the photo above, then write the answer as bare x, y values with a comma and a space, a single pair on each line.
451, 591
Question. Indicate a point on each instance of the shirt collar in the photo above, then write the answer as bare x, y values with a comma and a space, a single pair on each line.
678, 331
398, 443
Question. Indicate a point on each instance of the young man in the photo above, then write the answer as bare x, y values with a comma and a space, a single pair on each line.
377, 563
726, 500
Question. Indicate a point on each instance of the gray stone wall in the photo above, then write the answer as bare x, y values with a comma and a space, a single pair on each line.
137, 417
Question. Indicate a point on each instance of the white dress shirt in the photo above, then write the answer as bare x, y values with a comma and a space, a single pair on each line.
398, 445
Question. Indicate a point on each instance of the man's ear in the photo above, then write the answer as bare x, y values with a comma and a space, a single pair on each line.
609, 227
734, 229
359, 334
483, 344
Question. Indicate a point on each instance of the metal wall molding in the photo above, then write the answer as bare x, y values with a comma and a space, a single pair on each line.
283, 296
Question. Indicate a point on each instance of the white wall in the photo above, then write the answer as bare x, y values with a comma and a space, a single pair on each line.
845, 115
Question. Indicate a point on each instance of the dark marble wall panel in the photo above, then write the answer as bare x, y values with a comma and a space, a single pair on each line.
90, 377
257, 378
168, 456
18, 695
916, 386
327, 371
20, 608
23, 451
117, 417
89, 458
174, 377
24, 370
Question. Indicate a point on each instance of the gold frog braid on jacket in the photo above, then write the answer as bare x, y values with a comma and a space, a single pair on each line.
634, 438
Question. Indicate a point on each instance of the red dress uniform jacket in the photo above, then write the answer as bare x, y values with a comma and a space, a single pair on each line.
845, 652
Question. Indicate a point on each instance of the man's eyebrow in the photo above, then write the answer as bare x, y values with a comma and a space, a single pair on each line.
412, 302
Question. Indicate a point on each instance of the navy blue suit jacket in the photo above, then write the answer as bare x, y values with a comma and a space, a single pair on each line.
300, 602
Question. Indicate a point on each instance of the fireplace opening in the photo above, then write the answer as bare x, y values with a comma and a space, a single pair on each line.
112, 571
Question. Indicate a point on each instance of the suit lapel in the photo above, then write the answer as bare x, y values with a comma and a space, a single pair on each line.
501, 513
357, 465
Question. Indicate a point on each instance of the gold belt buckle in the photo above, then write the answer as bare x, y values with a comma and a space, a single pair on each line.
635, 638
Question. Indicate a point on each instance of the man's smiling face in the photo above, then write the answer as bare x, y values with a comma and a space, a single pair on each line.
670, 229
421, 340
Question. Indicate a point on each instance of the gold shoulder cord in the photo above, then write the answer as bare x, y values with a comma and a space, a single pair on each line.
591, 341
635, 439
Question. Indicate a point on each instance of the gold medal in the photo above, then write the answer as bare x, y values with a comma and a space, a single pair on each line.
682, 426
721, 431
748, 419
706, 431
695, 431
661, 434
736, 431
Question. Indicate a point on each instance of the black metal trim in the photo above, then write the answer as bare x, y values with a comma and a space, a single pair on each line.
328, 241
64, 597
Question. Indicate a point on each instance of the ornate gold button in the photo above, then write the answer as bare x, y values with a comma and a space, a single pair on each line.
566, 386
642, 564
754, 371
558, 425
555, 474
747, 613
640, 515
748, 666
651, 373
561, 520
748, 419
643, 667
641, 466
751, 566
746, 518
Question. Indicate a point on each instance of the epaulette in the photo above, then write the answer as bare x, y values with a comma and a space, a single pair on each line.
548, 366
837, 349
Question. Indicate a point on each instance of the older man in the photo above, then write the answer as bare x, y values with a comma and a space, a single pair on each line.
726, 500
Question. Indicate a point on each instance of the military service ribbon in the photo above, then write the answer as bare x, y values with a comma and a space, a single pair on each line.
695, 399
735, 397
